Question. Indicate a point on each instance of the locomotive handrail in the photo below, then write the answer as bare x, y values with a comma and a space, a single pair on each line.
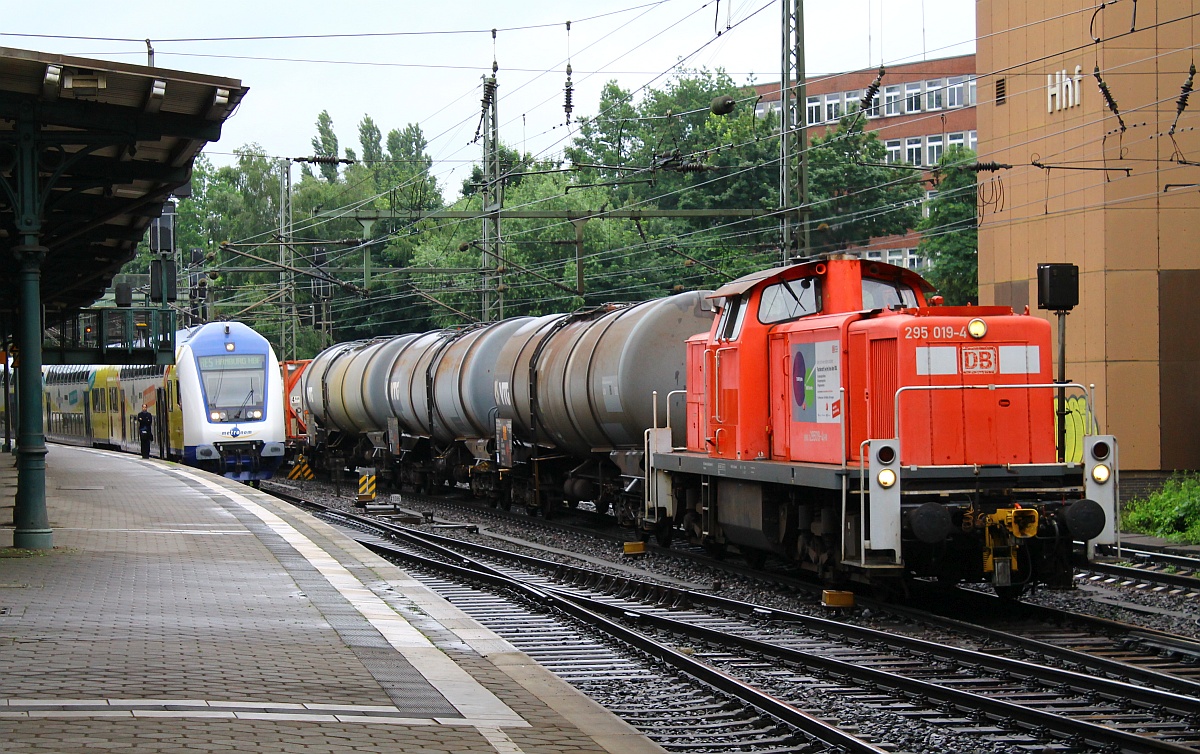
673, 392
1093, 424
717, 382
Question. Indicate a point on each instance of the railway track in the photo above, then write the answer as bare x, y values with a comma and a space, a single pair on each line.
799, 660
1142, 569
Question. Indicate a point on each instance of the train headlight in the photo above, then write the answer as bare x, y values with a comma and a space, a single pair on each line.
256, 414
977, 328
1101, 473
230, 346
215, 416
886, 478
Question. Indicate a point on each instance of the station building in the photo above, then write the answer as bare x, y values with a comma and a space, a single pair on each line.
1111, 188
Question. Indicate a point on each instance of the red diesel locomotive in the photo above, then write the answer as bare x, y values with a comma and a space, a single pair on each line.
839, 419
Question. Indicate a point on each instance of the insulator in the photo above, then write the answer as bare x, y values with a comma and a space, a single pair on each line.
722, 105
1185, 92
489, 91
324, 160
989, 167
568, 92
872, 90
1108, 98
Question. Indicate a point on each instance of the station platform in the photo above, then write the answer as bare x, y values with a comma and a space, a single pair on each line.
181, 612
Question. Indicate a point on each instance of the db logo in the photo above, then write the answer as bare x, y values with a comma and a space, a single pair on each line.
979, 359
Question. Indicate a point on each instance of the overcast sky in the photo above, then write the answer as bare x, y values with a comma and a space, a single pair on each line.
434, 78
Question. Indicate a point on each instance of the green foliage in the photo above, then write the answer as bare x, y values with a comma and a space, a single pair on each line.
950, 236
855, 196
660, 148
1171, 513
325, 144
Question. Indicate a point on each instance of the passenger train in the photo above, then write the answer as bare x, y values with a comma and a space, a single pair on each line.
832, 413
219, 408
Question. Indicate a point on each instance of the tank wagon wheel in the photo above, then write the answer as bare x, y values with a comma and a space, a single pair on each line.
603, 505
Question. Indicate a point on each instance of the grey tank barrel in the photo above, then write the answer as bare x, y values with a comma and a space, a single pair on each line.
580, 382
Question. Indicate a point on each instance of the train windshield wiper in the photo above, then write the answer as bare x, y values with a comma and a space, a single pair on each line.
246, 402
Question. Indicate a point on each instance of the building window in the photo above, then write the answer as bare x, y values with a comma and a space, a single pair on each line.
933, 94
970, 91
933, 148
912, 97
955, 92
891, 100
896, 256
760, 110
912, 153
972, 141
814, 110
873, 107
956, 140
852, 100
875, 256
833, 107
1001, 91
914, 261
925, 205
894, 151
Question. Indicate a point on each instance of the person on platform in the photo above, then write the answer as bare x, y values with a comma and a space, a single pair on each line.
145, 430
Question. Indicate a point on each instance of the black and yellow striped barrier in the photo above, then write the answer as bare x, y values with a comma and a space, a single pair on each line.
366, 484
301, 470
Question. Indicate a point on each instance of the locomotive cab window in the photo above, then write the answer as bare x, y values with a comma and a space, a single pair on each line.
789, 300
887, 294
729, 327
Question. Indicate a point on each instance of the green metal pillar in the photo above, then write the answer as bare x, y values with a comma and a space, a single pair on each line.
32, 525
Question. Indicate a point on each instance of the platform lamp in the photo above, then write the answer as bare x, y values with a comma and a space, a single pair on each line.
1058, 291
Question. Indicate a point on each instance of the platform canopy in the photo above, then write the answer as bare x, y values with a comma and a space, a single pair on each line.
113, 141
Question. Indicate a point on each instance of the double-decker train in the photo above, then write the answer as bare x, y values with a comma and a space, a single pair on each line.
219, 408
828, 413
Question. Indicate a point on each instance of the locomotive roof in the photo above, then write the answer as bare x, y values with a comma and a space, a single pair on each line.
880, 269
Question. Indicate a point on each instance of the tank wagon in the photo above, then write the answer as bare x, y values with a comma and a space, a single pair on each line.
533, 411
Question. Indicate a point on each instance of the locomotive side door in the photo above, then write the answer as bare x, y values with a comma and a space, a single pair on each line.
780, 360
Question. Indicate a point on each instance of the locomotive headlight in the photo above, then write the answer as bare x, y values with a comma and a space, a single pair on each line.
230, 346
256, 414
977, 328
886, 478
215, 416
1101, 473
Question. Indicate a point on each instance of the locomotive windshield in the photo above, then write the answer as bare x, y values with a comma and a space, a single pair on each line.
234, 386
788, 300
885, 294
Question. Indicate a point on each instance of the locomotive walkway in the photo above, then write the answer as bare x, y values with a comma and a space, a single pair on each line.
181, 612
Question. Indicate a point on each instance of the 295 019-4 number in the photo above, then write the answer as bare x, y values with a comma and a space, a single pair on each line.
937, 332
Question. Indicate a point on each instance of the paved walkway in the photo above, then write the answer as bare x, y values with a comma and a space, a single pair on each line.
180, 612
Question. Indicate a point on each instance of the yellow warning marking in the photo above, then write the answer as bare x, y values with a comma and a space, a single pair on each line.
301, 470
366, 487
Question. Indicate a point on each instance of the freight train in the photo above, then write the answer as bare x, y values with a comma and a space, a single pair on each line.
832, 413
219, 408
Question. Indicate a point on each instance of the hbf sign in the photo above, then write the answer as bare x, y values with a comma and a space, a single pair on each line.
1063, 91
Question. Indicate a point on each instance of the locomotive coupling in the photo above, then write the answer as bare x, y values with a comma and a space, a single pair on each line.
1022, 523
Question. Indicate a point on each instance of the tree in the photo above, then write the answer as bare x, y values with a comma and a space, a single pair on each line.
949, 236
325, 144
855, 196
370, 138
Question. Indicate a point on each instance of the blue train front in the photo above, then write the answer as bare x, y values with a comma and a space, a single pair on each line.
230, 396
